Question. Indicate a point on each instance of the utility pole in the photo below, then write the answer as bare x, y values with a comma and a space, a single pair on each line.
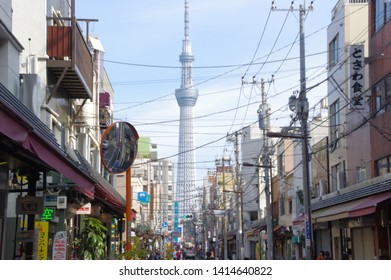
301, 108
239, 199
225, 224
225, 216
264, 125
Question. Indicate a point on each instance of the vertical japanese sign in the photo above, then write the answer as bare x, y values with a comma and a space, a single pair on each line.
43, 232
176, 218
60, 246
356, 77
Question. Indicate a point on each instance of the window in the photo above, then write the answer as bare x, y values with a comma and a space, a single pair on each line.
382, 13
280, 165
282, 204
388, 92
383, 166
380, 97
334, 123
253, 215
333, 52
334, 176
56, 129
361, 174
338, 178
381, 94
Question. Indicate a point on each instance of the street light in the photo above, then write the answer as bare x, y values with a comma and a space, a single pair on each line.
269, 218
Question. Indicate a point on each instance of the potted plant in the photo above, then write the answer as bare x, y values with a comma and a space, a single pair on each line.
92, 244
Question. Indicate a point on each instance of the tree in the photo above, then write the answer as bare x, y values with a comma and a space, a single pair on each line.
138, 250
92, 244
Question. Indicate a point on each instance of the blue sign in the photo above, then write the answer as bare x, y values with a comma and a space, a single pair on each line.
143, 197
307, 230
164, 224
176, 210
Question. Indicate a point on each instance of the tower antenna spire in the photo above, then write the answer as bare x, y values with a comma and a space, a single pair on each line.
186, 20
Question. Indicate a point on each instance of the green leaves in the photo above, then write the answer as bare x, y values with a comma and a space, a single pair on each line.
93, 240
138, 250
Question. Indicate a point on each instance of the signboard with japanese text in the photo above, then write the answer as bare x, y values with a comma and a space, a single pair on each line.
143, 197
43, 237
60, 246
50, 200
307, 230
356, 77
85, 209
29, 205
176, 216
48, 214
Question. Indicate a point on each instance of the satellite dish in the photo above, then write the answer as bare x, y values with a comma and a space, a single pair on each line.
118, 148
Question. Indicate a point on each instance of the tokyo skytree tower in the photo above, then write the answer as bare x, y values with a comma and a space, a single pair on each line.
186, 97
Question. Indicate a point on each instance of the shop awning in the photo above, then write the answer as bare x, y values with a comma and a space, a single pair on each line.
335, 212
104, 191
356, 208
369, 206
299, 220
255, 231
23, 128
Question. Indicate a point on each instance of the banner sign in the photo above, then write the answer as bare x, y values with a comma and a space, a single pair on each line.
356, 77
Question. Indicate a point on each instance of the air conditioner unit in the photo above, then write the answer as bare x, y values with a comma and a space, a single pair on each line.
30, 92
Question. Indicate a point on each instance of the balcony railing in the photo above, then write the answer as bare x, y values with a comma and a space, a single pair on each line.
70, 60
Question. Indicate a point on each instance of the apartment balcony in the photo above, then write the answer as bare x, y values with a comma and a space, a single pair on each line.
70, 61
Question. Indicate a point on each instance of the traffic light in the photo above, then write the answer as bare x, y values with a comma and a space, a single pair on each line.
187, 216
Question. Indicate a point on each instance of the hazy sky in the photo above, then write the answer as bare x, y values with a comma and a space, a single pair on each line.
230, 39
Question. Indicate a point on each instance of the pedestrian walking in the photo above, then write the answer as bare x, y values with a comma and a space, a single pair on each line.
321, 255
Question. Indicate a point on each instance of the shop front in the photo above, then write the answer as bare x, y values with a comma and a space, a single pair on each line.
39, 182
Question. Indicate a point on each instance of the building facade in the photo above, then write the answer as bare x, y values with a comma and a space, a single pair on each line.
50, 145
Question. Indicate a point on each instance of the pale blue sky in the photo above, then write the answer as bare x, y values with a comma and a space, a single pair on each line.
143, 40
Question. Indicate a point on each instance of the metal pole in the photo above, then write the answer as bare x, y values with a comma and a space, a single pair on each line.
128, 245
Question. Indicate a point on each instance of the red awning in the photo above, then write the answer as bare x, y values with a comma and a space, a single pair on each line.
354, 208
104, 191
369, 205
299, 220
21, 131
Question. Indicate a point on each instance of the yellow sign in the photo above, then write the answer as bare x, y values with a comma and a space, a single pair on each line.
43, 234
258, 251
